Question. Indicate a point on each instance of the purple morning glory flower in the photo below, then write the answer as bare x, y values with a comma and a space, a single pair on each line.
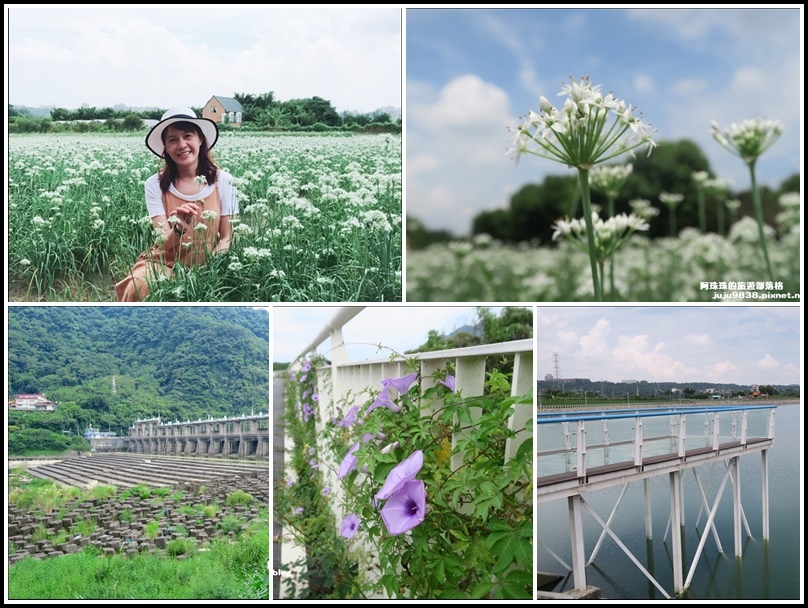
290, 483
306, 366
303, 378
402, 473
406, 508
384, 400
350, 525
315, 397
299, 511
350, 461
350, 417
402, 385
449, 382
326, 491
312, 451
313, 463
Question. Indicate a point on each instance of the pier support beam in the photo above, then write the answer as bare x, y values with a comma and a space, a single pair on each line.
577, 542
764, 475
736, 504
676, 532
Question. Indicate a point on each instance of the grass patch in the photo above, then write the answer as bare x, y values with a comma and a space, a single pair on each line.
239, 497
188, 510
212, 575
126, 515
152, 529
231, 523
141, 491
85, 527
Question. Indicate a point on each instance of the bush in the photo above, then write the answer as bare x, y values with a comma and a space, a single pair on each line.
140, 490
126, 515
239, 497
231, 523
179, 546
151, 530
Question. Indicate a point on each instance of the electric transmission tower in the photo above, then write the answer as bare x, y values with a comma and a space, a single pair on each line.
557, 368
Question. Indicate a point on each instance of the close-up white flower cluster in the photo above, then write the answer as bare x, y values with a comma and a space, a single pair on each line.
580, 133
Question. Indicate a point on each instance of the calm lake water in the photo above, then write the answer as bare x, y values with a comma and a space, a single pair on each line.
767, 570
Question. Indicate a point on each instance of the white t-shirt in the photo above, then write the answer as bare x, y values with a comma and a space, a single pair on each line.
227, 194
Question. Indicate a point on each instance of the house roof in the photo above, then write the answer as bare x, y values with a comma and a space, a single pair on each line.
230, 104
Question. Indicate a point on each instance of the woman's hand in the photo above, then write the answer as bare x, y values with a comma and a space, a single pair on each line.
185, 213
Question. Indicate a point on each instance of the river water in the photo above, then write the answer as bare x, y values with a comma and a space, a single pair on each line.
767, 570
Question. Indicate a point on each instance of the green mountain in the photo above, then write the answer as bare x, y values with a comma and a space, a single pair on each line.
110, 365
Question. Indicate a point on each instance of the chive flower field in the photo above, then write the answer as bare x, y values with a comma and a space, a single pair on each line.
690, 267
319, 219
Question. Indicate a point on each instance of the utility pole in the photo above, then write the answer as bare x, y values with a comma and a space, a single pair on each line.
557, 368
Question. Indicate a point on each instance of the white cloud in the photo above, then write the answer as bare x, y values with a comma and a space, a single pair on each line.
698, 339
422, 163
463, 128
723, 371
637, 357
643, 83
465, 103
768, 362
688, 86
169, 56
595, 343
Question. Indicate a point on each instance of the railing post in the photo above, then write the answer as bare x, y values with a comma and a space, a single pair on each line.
716, 433
427, 381
522, 384
744, 422
638, 441
470, 379
580, 449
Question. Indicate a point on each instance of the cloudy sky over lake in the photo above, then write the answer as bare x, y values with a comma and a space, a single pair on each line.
733, 344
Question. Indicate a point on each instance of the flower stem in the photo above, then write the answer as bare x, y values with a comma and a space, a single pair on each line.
720, 217
583, 180
702, 212
672, 219
611, 259
759, 216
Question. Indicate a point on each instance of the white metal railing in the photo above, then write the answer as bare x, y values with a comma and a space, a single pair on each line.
343, 378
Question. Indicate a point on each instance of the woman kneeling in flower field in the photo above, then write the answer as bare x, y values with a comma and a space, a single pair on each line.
190, 201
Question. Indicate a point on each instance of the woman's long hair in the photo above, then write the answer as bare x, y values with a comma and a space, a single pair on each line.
206, 166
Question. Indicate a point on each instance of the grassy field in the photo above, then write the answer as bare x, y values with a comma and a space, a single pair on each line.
221, 569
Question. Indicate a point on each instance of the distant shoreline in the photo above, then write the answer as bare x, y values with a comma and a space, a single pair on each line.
657, 405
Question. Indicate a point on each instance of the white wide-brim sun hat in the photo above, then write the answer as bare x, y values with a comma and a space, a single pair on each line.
154, 140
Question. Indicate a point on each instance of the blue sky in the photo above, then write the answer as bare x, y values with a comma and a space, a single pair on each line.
397, 327
471, 73
168, 55
733, 344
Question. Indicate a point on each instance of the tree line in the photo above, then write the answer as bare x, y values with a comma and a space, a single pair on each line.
108, 366
261, 112
534, 208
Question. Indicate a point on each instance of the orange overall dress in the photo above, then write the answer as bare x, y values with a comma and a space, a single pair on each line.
193, 249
